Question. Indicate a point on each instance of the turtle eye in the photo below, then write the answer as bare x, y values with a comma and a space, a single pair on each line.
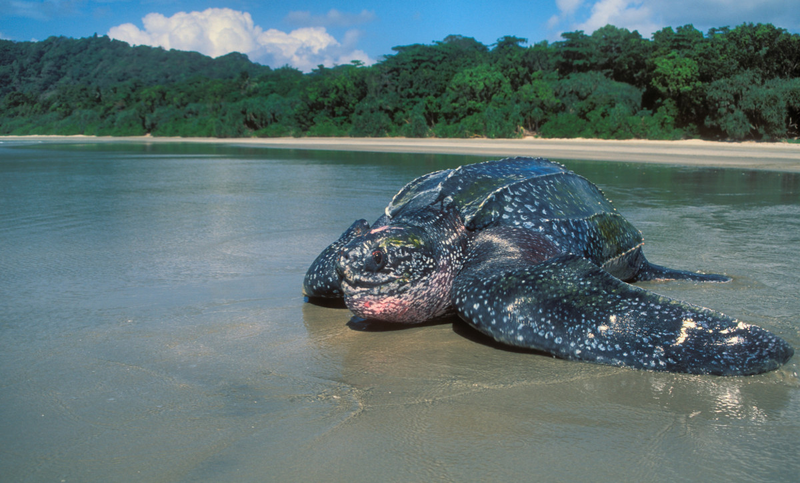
378, 257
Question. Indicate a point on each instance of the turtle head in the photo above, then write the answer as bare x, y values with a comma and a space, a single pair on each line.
403, 271
322, 280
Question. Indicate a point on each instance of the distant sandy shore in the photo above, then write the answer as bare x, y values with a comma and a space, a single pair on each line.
765, 156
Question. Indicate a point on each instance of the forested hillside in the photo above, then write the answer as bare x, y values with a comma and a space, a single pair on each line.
740, 83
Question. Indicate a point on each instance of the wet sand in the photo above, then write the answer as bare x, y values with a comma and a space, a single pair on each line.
152, 328
750, 155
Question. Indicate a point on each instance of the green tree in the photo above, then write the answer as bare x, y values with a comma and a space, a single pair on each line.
419, 71
574, 54
675, 75
621, 55
734, 83
593, 106
537, 101
745, 106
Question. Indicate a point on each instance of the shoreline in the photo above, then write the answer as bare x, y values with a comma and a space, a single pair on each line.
748, 155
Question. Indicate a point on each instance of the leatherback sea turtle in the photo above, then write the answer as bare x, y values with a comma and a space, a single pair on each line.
534, 256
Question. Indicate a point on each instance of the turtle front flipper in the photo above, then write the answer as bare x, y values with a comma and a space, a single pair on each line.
322, 280
571, 308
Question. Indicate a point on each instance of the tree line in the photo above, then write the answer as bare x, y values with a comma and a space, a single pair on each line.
740, 83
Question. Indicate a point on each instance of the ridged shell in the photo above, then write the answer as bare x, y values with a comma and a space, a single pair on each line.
531, 193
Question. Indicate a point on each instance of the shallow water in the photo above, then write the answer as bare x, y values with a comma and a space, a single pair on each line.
152, 329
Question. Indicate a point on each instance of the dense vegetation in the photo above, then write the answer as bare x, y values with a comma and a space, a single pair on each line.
741, 83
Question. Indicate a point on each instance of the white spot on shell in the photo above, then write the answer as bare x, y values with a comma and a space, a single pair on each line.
687, 324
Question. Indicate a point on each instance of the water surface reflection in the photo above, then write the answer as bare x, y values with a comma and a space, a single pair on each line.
152, 329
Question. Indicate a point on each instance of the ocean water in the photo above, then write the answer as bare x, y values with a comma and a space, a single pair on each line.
152, 328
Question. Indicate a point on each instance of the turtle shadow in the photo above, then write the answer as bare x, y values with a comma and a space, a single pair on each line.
468, 332
460, 328
371, 325
332, 303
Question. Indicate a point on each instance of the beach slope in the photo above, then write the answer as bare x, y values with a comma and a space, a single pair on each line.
748, 155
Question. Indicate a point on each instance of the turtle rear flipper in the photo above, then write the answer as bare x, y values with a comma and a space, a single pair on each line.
651, 271
571, 308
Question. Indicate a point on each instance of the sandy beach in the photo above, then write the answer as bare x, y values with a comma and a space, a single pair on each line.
751, 155
154, 327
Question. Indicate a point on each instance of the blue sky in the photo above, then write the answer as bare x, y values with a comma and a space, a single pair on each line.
307, 33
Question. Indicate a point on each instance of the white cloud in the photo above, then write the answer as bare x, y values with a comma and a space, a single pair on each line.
630, 14
568, 7
308, 47
219, 31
